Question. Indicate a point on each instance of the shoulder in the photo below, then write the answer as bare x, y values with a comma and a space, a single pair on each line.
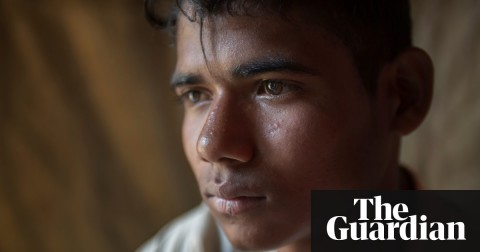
194, 231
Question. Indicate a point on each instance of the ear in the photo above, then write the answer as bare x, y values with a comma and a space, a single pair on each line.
409, 80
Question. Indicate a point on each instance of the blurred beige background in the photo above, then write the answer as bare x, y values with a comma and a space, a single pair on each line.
90, 151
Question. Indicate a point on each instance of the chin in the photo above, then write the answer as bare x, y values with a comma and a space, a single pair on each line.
247, 237
255, 244
262, 237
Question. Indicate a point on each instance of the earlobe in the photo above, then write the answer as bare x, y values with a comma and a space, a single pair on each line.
412, 78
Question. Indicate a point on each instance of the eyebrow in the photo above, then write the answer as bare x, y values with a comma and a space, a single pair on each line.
185, 79
250, 69
271, 64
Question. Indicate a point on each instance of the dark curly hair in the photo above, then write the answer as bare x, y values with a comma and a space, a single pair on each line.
374, 31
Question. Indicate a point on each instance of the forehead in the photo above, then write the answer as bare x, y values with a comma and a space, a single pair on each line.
224, 42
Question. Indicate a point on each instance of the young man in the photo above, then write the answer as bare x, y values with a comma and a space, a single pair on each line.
284, 97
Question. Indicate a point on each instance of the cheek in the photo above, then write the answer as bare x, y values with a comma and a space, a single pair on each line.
300, 131
292, 146
317, 148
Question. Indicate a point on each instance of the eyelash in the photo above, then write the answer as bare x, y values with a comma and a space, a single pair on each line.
187, 95
266, 87
195, 95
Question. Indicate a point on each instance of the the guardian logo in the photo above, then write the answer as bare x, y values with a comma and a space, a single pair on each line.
391, 223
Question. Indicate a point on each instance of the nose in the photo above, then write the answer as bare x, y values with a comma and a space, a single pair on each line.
226, 135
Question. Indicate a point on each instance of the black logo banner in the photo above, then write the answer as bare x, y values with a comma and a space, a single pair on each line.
396, 221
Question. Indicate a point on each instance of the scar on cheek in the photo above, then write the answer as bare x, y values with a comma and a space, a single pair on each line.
273, 129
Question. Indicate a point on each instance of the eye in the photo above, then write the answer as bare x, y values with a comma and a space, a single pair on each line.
194, 96
275, 87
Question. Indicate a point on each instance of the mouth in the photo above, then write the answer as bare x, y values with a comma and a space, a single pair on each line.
237, 205
235, 195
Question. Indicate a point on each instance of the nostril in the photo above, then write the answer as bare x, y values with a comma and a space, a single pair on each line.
217, 180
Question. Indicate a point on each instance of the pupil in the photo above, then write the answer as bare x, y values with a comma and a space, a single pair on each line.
274, 88
193, 96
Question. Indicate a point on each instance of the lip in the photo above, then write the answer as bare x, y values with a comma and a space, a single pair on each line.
236, 206
235, 195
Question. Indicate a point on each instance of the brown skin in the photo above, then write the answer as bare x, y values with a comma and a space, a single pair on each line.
278, 133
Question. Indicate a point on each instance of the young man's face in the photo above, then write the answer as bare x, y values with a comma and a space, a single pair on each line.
273, 110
